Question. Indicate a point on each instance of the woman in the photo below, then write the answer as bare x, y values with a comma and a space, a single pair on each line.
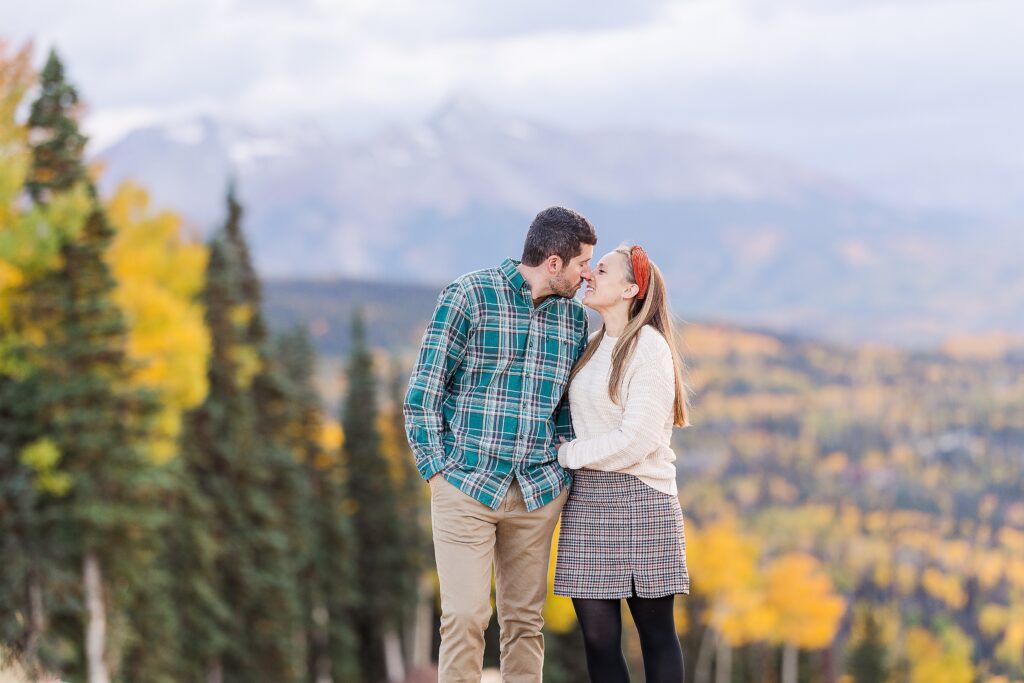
622, 529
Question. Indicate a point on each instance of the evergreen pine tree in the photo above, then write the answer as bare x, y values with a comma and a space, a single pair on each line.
380, 557
106, 529
412, 504
327, 554
205, 474
57, 143
109, 523
867, 660
241, 489
25, 537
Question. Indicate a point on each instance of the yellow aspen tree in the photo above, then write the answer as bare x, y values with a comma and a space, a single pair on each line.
945, 658
559, 615
724, 562
806, 606
159, 273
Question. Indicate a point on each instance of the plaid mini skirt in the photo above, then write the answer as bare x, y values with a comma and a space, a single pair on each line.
620, 538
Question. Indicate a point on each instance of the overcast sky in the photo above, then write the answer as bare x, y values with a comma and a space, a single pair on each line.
916, 101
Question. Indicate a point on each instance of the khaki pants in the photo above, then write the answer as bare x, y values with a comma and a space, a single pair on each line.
469, 538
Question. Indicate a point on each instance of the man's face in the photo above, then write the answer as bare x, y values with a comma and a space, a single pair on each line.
568, 279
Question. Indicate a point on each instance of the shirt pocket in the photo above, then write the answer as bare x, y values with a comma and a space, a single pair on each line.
557, 359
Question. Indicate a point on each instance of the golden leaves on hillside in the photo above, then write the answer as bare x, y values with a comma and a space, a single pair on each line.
802, 596
709, 341
790, 599
989, 346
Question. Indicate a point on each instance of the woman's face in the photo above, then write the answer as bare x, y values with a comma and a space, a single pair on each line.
607, 285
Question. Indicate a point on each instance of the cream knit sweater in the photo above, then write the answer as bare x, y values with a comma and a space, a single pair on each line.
634, 436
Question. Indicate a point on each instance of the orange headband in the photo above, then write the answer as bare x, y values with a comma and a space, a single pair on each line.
641, 269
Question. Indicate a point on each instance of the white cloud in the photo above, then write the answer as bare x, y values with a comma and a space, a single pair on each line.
857, 88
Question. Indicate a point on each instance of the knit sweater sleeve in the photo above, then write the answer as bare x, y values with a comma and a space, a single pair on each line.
647, 399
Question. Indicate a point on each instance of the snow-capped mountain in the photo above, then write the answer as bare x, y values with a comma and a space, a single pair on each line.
739, 234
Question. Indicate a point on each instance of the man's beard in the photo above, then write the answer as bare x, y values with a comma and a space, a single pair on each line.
561, 286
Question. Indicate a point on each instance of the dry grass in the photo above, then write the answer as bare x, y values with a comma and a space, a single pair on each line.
11, 671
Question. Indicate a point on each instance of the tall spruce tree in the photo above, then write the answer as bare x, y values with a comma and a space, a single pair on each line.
380, 558
111, 518
411, 505
26, 534
204, 472
241, 489
326, 552
57, 143
867, 660
105, 529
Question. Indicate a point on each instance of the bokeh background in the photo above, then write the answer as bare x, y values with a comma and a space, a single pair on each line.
223, 226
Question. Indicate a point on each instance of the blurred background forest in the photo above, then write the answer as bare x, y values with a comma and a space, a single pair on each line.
203, 470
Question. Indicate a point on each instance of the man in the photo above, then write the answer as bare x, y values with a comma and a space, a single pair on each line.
485, 407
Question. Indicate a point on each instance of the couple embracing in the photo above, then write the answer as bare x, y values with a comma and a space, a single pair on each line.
517, 415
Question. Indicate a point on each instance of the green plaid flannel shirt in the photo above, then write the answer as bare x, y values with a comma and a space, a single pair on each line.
487, 398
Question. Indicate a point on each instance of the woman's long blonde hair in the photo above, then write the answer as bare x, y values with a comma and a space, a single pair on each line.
652, 310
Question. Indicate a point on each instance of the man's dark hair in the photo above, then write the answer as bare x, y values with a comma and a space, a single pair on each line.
557, 230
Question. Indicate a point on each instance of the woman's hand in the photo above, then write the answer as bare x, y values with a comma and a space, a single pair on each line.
561, 451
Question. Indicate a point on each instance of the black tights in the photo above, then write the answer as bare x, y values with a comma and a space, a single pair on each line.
601, 623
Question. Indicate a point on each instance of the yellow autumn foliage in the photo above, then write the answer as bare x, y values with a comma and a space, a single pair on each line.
987, 346
16, 77
30, 236
945, 587
906, 578
992, 619
559, 615
42, 457
987, 567
803, 598
707, 341
159, 274
724, 564
1012, 540
332, 436
1011, 648
1014, 569
942, 659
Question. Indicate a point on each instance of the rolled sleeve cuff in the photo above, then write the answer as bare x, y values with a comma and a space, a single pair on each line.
563, 455
428, 467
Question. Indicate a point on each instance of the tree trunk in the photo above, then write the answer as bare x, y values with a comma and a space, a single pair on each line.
96, 622
703, 669
393, 656
723, 661
215, 672
321, 644
421, 637
789, 663
36, 617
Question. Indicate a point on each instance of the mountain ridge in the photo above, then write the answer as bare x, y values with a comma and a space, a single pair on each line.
740, 235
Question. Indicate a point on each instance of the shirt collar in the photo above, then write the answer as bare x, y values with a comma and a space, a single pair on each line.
509, 268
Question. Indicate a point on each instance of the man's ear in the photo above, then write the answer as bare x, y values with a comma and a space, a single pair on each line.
554, 263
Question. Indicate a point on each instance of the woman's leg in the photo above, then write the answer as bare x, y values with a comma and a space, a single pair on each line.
601, 623
663, 658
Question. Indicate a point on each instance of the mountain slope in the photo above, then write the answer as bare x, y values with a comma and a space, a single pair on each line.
738, 234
